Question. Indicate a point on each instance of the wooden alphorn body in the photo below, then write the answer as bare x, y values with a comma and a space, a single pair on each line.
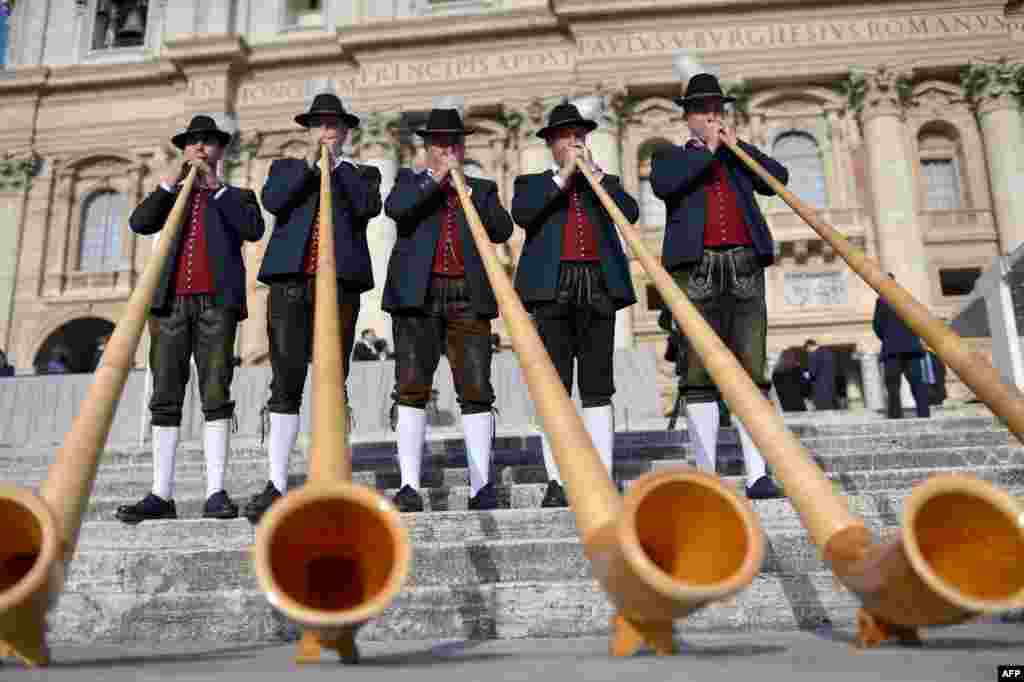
40, 533
961, 543
677, 541
330, 555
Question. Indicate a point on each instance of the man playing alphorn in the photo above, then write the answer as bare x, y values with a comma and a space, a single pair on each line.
292, 195
195, 314
716, 247
440, 299
573, 275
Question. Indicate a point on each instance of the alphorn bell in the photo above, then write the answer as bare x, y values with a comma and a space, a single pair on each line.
40, 532
961, 546
330, 555
677, 541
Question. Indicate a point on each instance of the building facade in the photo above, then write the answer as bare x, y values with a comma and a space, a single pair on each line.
900, 122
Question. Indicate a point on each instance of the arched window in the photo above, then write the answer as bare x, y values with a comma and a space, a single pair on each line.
938, 145
652, 209
100, 245
799, 153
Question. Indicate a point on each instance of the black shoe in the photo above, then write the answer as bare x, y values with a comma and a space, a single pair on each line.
220, 506
408, 500
260, 503
764, 488
149, 508
555, 496
485, 499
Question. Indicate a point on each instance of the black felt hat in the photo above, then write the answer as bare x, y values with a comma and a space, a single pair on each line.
563, 115
201, 124
444, 120
703, 86
327, 104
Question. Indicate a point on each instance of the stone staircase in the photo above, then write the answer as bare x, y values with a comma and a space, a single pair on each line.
516, 572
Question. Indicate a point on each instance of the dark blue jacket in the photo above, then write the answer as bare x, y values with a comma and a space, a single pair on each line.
541, 208
231, 218
292, 194
895, 335
678, 175
417, 204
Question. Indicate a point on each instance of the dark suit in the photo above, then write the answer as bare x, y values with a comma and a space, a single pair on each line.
416, 204
901, 354
292, 195
574, 303
434, 314
202, 326
726, 284
823, 378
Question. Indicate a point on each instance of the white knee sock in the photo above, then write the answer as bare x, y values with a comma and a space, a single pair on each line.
702, 420
600, 426
549, 459
479, 432
165, 447
215, 447
284, 429
412, 429
752, 459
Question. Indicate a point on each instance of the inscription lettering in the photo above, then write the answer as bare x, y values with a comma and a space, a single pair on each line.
590, 48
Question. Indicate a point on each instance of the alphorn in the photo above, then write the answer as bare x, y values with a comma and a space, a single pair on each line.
679, 538
332, 554
972, 367
962, 540
40, 532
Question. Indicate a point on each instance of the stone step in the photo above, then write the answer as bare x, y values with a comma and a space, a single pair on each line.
251, 473
191, 493
527, 450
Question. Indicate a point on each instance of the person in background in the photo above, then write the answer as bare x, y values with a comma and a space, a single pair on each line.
822, 369
6, 369
902, 353
366, 349
789, 382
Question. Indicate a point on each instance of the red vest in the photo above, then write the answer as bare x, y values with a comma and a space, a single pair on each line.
448, 258
193, 274
578, 240
725, 225
309, 260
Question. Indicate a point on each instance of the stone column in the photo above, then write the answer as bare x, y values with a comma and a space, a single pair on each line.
874, 392
378, 146
994, 92
893, 189
15, 181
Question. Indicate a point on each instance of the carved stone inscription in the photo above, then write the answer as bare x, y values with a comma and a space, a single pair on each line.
711, 40
814, 288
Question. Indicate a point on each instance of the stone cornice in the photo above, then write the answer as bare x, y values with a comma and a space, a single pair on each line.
78, 76
205, 48
595, 8
385, 34
321, 46
22, 79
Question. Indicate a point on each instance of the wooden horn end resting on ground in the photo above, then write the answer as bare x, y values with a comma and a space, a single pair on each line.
678, 540
41, 532
330, 555
962, 539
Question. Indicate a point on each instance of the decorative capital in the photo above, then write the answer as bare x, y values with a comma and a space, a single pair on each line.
378, 133
525, 120
243, 148
16, 172
992, 84
884, 91
741, 90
